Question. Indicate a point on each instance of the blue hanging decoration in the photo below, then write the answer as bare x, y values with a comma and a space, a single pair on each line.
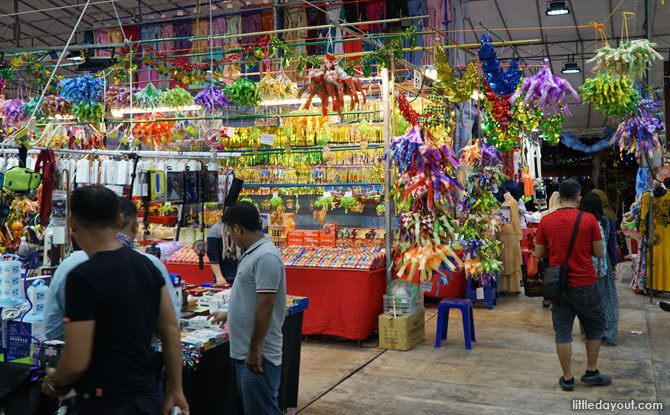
503, 83
82, 90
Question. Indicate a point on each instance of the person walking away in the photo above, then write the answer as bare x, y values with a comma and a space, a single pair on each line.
606, 282
256, 311
113, 303
582, 297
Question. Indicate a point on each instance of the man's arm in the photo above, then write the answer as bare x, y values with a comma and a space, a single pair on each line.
77, 354
541, 251
262, 318
172, 354
216, 269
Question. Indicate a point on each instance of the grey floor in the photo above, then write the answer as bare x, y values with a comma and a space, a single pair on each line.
512, 368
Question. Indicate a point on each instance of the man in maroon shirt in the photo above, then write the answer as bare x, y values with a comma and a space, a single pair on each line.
582, 297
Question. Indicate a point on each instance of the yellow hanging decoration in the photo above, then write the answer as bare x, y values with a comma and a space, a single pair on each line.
455, 90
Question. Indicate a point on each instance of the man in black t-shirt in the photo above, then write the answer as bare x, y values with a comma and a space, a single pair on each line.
113, 302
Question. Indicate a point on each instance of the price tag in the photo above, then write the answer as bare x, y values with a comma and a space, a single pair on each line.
275, 194
418, 79
268, 139
348, 194
326, 194
480, 293
228, 131
426, 286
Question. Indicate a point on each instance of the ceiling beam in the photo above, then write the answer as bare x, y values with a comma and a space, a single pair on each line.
47, 15
544, 39
509, 35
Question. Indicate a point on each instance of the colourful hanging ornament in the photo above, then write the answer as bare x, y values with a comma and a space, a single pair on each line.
83, 89
613, 96
88, 112
176, 97
631, 58
547, 91
53, 105
638, 134
213, 100
243, 92
119, 96
503, 83
455, 90
149, 97
13, 113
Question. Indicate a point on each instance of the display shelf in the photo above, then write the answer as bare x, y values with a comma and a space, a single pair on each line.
311, 185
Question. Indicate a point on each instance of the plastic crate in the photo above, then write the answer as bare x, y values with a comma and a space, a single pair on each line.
402, 306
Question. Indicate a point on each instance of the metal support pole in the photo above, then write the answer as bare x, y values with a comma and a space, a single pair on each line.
648, 8
17, 28
387, 172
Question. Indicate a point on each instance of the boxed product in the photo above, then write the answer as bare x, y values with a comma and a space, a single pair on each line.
18, 342
295, 238
401, 332
312, 238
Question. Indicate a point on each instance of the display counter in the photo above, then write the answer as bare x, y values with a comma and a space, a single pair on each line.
191, 273
342, 302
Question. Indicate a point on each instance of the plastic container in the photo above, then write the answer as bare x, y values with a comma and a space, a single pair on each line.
37, 293
401, 305
11, 286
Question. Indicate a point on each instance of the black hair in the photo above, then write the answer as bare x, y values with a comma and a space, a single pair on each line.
569, 190
516, 193
243, 214
95, 207
666, 183
593, 205
128, 211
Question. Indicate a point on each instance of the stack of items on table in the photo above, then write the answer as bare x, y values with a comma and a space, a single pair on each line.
332, 257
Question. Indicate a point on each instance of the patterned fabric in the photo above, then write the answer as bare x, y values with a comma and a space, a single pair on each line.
125, 240
607, 287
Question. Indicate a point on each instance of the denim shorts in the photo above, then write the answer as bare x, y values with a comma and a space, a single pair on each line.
586, 304
259, 391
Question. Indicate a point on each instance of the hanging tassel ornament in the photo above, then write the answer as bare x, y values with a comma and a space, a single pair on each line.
148, 98
213, 100
547, 91
503, 83
83, 89
176, 97
639, 133
631, 58
613, 96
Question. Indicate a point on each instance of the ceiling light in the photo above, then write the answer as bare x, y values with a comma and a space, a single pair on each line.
430, 73
75, 56
571, 67
557, 8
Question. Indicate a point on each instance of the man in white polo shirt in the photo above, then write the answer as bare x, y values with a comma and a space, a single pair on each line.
256, 311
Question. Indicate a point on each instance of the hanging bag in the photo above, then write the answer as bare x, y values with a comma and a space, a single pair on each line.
21, 179
556, 278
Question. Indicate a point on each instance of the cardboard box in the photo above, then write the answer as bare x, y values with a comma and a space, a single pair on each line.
295, 237
327, 239
402, 332
18, 343
312, 237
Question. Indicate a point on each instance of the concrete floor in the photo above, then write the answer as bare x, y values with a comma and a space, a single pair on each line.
512, 368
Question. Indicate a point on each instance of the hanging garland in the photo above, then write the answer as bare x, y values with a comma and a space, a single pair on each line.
82, 89
454, 90
119, 96
503, 83
500, 129
159, 132
613, 96
53, 105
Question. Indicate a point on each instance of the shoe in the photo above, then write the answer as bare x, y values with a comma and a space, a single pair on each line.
665, 306
566, 386
546, 303
597, 380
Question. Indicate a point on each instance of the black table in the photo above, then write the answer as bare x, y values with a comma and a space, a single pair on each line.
211, 387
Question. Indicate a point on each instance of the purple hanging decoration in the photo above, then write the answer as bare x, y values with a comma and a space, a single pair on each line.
546, 89
212, 100
403, 150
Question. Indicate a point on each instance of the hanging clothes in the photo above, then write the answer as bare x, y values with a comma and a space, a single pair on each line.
149, 32
416, 8
316, 17
510, 236
354, 12
661, 264
218, 28
460, 13
46, 166
528, 183
182, 46
295, 17
436, 20
101, 38
166, 46
607, 284
336, 14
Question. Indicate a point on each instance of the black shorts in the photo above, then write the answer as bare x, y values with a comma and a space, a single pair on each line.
586, 304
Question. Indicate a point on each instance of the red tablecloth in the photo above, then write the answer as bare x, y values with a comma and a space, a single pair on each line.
343, 303
455, 287
191, 274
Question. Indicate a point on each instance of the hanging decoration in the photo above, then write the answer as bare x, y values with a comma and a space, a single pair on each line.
270, 88
29, 106
638, 134
330, 82
613, 96
547, 91
176, 97
477, 233
406, 109
425, 189
534, 118
243, 92
91, 112
631, 58
503, 83
500, 129
119, 96
454, 90
13, 113
53, 105
148, 97
212, 99
155, 132
84, 89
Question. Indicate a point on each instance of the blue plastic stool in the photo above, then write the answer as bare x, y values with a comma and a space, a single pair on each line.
465, 305
490, 292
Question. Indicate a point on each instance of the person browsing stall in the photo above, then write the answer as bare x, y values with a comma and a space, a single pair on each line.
582, 297
256, 311
113, 303
55, 307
